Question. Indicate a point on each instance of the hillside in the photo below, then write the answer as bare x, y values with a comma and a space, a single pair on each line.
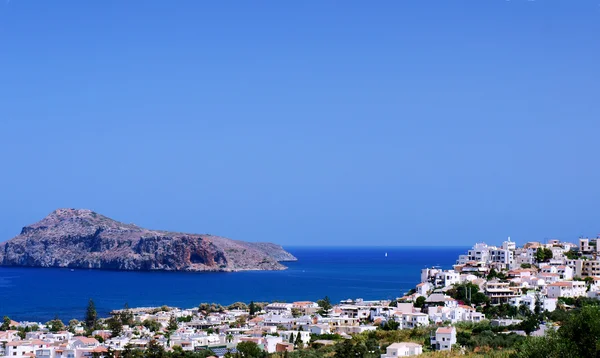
79, 238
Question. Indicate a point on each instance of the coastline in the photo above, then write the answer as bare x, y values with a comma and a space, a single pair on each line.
341, 273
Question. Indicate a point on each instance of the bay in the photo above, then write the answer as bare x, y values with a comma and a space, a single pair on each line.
40, 294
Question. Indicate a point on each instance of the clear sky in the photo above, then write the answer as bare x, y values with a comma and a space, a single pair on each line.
305, 122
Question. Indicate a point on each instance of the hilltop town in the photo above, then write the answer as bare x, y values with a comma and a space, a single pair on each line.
495, 301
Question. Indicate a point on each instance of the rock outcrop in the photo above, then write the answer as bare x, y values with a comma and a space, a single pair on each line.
77, 238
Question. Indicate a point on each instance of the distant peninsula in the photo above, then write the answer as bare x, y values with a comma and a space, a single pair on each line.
80, 238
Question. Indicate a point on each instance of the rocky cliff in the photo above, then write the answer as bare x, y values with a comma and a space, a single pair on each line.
84, 239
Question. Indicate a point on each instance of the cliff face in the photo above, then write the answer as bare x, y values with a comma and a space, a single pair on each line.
84, 239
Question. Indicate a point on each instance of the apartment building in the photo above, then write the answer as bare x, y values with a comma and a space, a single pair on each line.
566, 289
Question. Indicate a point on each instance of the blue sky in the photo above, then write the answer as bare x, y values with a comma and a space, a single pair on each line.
307, 122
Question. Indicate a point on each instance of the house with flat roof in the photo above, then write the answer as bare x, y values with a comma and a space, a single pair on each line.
402, 349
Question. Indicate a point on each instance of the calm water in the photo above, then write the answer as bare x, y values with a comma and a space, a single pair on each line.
40, 294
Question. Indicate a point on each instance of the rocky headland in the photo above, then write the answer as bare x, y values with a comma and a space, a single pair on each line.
79, 238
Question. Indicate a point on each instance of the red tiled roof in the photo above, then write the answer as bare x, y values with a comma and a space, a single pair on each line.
444, 330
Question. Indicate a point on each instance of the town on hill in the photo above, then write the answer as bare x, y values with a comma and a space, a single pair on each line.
538, 300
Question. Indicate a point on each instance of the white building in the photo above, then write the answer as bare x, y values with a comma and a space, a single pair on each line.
279, 308
479, 253
440, 299
566, 289
529, 300
444, 339
500, 292
23, 348
509, 245
304, 336
403, 349
423, 288
439, 314
271, 343
412, 320
502, 258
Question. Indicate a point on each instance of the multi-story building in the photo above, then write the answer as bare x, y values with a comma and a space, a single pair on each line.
479, 253
413, 320
446, 278
530, 299
523, 256
566, 289
24, 348
500, 292
504, 258
590, 268
509, 245
353, 311
444, 338
584, 268
588, 246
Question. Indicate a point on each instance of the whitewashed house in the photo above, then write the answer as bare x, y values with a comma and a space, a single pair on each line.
304, 336
403, 349
412, 320
444, 339
440, 299
566, 289
279, 308
24, 348
423, 288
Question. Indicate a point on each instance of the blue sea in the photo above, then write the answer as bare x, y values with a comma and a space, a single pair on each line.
37, 294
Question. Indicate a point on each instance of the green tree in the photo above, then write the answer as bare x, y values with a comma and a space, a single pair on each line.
237, 306
154, 350
530, 324
152, 325
479, 298
249, 350
5, 324
130, 352
252, 308
115, 324
577, 337
572, 254
110, 353
296, 312
298, 341
127, 316
172, 324
543, 254
211, 307
55, 325
524, 310
462, 292
325, 306
390, 325
91, 316
291, 340
583, 329
72, 324
549, 346
420, 301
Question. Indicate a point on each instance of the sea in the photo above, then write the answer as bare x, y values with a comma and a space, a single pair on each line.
370, 273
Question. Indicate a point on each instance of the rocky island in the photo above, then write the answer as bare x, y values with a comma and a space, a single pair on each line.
79, 238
